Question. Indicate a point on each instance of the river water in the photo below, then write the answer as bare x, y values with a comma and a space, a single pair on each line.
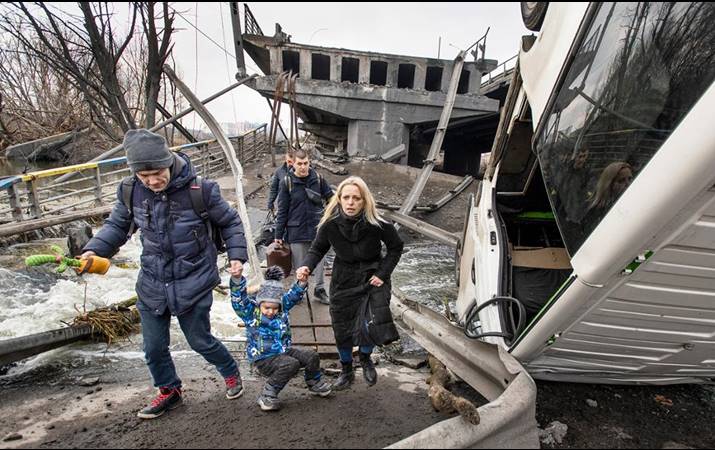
10, 167
36, 300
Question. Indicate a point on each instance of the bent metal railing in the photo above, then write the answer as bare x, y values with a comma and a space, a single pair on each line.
35, 196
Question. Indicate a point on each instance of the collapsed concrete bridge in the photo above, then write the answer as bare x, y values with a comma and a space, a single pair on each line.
367, 103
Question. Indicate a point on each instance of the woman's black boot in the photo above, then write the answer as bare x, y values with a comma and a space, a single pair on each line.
346, 378
368, 369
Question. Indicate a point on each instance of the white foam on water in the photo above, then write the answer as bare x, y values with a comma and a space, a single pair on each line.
34, 310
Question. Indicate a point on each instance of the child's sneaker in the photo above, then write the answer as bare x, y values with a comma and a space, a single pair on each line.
167, 399
234, 387
319, 387
268, 401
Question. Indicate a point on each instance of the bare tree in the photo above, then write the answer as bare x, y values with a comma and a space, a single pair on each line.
35, 102
91, 56
159, 49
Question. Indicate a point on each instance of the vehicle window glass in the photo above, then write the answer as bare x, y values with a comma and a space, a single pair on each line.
639, 70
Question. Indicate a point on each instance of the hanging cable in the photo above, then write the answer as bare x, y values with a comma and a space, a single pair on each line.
252, 67
196, 56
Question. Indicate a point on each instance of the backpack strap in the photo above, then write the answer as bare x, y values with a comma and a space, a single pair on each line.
321, 180
128, 200
199, 204
288, 183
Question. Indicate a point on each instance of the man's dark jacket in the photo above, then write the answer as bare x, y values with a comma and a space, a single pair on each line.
179, 260
278, 177
297, 215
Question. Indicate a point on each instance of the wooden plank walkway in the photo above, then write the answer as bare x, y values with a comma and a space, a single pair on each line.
313, 331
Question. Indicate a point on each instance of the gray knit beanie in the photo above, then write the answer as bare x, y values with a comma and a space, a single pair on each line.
272, 289
146, 151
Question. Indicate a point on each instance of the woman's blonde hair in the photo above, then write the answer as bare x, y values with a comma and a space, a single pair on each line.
604, 189
369, 206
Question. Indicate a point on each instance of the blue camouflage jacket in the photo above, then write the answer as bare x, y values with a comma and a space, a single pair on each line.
266, 337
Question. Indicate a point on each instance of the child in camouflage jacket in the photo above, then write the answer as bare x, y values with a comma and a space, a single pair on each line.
266, 315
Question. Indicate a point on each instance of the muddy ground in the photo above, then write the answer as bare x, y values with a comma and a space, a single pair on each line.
49, 408
53, 411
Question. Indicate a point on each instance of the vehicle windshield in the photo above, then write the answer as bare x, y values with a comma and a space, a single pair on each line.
640, 69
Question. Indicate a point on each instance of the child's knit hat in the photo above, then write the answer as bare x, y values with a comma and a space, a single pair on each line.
272, 289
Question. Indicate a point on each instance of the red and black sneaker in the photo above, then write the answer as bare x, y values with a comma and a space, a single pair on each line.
168, 399
234, 386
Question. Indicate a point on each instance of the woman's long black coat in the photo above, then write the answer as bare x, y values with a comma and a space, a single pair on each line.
358, 256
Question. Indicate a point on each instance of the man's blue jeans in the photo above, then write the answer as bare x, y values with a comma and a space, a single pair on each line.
196, 326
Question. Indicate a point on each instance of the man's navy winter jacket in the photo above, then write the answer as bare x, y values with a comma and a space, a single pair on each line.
297, 215
276, 181
178, 262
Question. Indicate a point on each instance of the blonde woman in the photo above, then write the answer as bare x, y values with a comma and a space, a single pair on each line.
360, 286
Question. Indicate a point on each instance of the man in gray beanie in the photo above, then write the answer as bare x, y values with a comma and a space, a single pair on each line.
179, 259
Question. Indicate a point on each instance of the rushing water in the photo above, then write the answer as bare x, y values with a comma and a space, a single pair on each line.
10, 167
36, 300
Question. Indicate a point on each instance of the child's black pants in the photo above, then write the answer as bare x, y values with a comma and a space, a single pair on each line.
281, 368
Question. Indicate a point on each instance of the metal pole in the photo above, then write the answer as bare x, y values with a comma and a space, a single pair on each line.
257, 276
238, 39
98, 188
438, 139
15, 204
34, 200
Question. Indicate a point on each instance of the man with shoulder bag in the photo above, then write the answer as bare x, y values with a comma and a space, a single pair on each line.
301, 202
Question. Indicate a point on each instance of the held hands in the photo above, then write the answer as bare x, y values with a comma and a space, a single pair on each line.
236, 269
302, 277
302, 273
279, 241
375, 281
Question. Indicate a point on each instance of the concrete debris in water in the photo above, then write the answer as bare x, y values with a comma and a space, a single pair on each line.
554, 433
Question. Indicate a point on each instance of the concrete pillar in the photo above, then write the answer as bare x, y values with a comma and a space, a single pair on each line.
367, 138
276, 60
306, 64
364, 76
475, 81
420, 76
393, 68
336, 66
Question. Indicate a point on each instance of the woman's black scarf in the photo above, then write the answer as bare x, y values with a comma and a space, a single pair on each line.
350, 227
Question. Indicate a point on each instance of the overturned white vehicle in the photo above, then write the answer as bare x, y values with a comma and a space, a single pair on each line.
589, 253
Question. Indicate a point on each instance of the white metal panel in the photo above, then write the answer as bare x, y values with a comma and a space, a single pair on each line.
656, 325
539, 78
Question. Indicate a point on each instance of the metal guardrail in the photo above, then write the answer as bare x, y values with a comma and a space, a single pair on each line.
250, 24
507, 421
501, 71
34, 195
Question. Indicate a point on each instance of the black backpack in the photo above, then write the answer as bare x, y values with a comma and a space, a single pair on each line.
197, 202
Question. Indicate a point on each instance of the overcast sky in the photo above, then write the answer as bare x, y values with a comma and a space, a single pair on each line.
399, 28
